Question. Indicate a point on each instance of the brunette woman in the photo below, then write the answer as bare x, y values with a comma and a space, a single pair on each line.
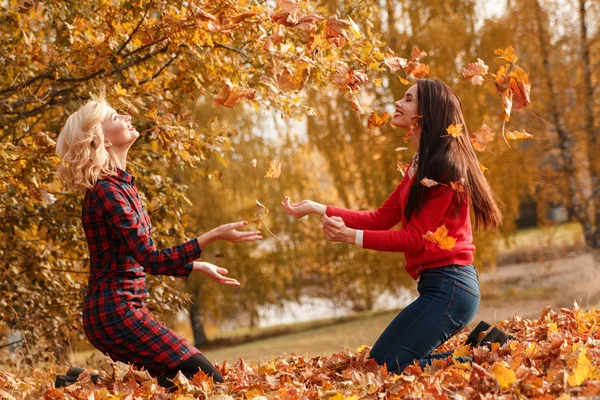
448, 283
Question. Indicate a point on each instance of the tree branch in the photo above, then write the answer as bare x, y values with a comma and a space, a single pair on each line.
135, 29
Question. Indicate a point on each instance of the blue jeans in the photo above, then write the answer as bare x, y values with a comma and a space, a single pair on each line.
448, 300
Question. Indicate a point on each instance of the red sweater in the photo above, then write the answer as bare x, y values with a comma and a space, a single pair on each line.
421, 254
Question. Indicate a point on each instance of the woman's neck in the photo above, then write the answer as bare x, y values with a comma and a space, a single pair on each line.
119, 158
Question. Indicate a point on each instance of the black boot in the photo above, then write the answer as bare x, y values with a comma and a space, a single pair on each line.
72, 375
473, 338
495, 335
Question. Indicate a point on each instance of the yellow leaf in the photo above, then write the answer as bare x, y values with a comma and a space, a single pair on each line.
455, 130
441, 238
403, 81
274, 170
462, 351
515, 135
483, 168
504, 375
508, 54
377, 81
582, 371
119, 90
361, 349
339, 396
354, 29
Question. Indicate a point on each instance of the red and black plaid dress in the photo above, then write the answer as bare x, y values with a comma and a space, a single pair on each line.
115, 319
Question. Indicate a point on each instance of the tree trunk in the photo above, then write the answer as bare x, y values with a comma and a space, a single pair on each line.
577, 209
197, 325
593, 241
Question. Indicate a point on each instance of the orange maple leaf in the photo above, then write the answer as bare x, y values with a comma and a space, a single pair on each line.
507, 54
475, 72
348, 78
441, 238
458, 185
376, 120
482, 137
335, 31
230, 96
520, 88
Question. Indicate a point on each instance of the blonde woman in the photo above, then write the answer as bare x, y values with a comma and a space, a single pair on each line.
93, 146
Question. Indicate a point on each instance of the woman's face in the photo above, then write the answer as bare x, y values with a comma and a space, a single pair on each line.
407, 116
118, 129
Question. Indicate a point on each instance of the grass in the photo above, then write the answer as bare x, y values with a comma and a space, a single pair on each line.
541, 243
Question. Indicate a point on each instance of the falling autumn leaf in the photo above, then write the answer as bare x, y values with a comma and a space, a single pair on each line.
401, 167
482, 167
335, 31
520, 88
376, 121
281, 79
475, 71
429, 182
481, 137
354, 103
517, 135
261, 213
507, 54
274, 169
394, 63
455, 130
230, 96
417, 54
354, 29
348, 78
458, 185
260, 219
441, 238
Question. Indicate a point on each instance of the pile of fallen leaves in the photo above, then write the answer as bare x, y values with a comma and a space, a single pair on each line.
557, 356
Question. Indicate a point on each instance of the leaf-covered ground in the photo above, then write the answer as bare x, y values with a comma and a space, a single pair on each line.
556, 356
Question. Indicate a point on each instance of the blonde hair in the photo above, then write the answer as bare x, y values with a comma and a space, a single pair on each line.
80, 146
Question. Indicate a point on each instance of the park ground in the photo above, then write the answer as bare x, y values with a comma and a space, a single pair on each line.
565, 274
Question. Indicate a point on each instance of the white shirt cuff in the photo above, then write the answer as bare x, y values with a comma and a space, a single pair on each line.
358, 240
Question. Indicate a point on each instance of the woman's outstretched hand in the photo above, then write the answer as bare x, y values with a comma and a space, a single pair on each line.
303, 208
336, 230
229, 233
215, 273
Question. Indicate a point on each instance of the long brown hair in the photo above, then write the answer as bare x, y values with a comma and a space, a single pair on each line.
446, 159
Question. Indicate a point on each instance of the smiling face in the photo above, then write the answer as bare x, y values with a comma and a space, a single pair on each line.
118, 129
407, 115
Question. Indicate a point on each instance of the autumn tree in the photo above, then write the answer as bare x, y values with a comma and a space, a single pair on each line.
155, 60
